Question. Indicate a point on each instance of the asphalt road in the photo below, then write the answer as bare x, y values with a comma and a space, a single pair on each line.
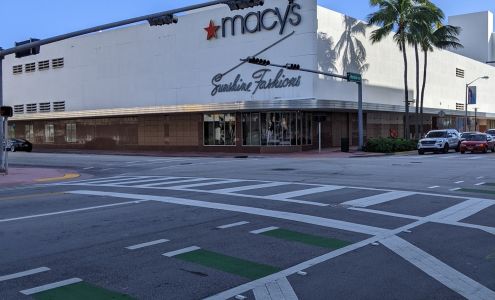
137, 227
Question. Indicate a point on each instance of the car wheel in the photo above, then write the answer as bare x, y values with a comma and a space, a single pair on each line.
12, 149
463, 152
446, 148
485, 150
421, 152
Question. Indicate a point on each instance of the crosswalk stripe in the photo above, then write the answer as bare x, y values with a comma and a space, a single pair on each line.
378, 199
305, 192
249, 187
188, 186
165, 182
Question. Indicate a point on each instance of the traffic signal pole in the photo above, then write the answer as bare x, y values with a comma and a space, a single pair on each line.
3, 140
351, 77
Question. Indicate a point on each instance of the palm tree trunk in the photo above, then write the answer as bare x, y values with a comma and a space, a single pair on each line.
416, 116
406, 92
421, 121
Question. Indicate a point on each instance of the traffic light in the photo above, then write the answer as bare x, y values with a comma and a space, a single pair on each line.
258, 61
163, 20
293, 66
6, 111
27, 52
242, 4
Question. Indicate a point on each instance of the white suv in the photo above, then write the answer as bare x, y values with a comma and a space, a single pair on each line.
440, 141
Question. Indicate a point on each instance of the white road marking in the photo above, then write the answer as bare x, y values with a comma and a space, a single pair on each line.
481, 183
179, 180
474, 158
481, 177
459, 182
70, 211
50, 286
384, 213
279, 289
454, 189
88, 168
233, 225
95, 179
181, 251
133, 181
250, 187
263, 230
143, 245
23, 274
440, 271
188, 186
377, 199
434, 187
308, 219
462, 210
305, 192
104, 180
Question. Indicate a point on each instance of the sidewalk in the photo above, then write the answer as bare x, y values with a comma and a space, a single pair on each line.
18, 176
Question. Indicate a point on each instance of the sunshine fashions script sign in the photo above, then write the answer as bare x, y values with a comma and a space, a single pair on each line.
262, 79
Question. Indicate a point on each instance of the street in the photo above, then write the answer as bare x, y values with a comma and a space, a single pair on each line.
259, 227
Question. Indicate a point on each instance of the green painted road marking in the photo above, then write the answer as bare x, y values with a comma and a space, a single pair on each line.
80, 291
307, 238
477, 191
228, 264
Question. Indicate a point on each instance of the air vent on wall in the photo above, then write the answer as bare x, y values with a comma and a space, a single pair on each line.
459, 106
31, 108
17, 69
58, 63
459, 73
59, 106
31, 67
45, 107
43, 65
19, 109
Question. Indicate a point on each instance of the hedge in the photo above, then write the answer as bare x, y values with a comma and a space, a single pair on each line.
389, 145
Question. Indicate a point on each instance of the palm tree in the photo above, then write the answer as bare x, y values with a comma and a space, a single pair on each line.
418, 31
399, 17
441, 37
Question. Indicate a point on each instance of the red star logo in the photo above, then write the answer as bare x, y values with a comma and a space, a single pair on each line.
212, 30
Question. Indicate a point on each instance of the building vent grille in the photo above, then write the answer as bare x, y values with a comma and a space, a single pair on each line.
31, 108
45, 107
31, 67
17, 69
58, 63
43, 65
59, 106
19, 109
459, 73
459, 106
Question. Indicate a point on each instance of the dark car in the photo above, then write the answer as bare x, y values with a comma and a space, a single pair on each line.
19, 145
478, 142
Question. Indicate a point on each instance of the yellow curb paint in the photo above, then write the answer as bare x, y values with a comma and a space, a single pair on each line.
65, 177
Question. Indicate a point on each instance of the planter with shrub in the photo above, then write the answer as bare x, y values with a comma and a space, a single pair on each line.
389, 145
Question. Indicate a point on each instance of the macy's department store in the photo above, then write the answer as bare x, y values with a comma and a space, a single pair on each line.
183, 87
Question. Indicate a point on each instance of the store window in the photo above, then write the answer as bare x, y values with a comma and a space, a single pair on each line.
49, 133
70, 133
219, 129
29, 132
276, 129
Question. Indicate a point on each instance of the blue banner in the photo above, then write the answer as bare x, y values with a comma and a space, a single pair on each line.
472, 95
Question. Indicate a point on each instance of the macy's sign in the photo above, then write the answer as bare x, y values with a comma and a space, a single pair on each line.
266, 20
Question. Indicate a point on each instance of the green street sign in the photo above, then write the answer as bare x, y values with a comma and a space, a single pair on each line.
354, 77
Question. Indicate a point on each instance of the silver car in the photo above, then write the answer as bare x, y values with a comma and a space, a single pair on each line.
440, 141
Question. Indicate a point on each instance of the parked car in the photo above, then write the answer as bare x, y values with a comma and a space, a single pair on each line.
19, 145
440, 141
479, 142
466, 134
491, 132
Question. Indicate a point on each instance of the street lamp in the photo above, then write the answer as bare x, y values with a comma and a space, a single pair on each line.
467, 97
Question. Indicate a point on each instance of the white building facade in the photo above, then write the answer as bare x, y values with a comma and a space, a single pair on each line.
184, 87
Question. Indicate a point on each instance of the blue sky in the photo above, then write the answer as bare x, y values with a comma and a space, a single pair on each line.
20, 20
